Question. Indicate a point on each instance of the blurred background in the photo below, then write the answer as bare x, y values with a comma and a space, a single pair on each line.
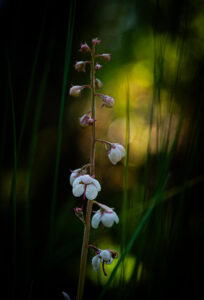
156, 78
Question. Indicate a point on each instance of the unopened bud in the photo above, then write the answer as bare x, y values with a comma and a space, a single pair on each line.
98, 66
106, 56
80, 66
107, 100
79, 213
84, 48
98, 83
96, 41
75, 90
78, 210
86, 120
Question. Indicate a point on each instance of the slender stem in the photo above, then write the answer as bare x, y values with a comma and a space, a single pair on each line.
84, 250
85, 166
93, 112
104, 142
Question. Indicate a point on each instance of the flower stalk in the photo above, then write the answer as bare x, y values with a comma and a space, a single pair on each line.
84, 251
85, 184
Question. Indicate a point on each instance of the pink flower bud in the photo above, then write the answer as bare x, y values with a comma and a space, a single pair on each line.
86, 120
79, 213
80, 66
96, 41
98, 66
106, 56
98, 83
107, 100
75, 90
84, 48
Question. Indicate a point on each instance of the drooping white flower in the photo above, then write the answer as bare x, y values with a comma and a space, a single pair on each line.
98, 66
80, 66
96, 41
107, 101
98, 83
116, 153
76, 173
104, 256
75, 91
87, 186
86, 120
106, 56
105, 215
84, 48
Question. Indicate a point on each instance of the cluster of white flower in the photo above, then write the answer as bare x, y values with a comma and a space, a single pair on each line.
86, 185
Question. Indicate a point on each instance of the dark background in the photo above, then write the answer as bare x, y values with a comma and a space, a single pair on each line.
176, 269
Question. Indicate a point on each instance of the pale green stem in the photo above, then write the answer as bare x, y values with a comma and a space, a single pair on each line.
84, 250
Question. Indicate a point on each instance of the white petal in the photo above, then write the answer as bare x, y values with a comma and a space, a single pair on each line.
91, 192
105, 255
122, 150
96, 263
116, 219
96, 219
76, 181
104, 207
72, 177
86, 179
107, 219
97, 184
76, 173
108, 262
114, 155
78, 189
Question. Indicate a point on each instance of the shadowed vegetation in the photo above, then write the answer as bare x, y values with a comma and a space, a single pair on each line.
156, 78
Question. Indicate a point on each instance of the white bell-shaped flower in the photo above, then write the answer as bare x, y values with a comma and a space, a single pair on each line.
76, 173
116, 153
105, 215
87, 186
104, 256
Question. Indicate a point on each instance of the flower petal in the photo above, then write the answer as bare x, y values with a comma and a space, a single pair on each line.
114, 155
105, 255
115, 218
76, 181
108, 262
91, 192
122, 150
107, 219
72, 178
96, 263
97, 184
78, 189
86, 179
96, 219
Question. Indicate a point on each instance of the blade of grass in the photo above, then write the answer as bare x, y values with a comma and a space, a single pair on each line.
30, 90
28, 99
61, 117
125, 182
135, 235
32, 149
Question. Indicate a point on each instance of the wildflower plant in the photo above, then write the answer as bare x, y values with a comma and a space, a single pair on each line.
84, 184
